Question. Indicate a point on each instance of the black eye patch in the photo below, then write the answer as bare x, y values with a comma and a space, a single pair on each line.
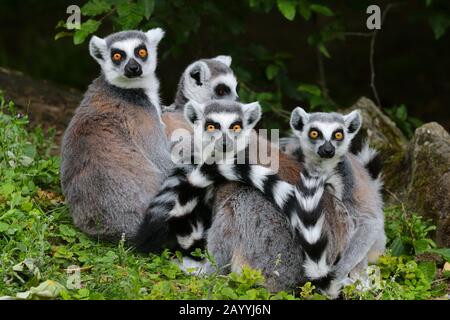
212, 123
236, 123
319, 133
222, 90
338, 135
115, 52
139, 48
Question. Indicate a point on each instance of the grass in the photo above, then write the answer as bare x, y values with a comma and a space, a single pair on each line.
42, 255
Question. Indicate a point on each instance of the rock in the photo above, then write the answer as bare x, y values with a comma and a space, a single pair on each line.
428, 171
46, 104
418, 172
383, 134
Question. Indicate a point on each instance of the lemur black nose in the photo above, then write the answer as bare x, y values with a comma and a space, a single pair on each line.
132, 69
326, 150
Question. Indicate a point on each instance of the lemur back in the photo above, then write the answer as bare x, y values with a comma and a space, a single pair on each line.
115, 154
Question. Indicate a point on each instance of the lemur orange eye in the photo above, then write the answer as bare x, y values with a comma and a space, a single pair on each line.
210, 128
314, 134
237, 128
338, 135
117, 56
142, 53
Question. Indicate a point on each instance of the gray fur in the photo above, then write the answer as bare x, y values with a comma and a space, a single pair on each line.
253, 233
114, 158
215, 68
326, 117
218, 106
125, 35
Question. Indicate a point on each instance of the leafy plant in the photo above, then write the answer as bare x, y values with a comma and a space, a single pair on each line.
406, 123
407, 232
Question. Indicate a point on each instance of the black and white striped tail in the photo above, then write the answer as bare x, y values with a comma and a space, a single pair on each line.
301, 204
180, 215
177, 217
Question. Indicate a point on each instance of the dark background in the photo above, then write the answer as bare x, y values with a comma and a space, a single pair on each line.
412, 67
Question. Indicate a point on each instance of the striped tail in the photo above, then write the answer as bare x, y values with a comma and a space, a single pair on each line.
301, 204
371, 160
177, 217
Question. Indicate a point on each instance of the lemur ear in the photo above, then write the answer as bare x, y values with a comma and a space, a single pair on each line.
198, 73
298, 119
193, 111
226, 60
155, 35
97, 49
353, 122
252, 113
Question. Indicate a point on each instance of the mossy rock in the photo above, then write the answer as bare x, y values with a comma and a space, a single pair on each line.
428, 190
383, 134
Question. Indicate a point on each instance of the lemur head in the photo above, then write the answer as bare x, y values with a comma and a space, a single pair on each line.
127, 58
207, 79
324, 137
222, 127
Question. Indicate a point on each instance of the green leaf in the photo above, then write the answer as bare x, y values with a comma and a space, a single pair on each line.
398, 248
316, 101
67, 231
7, 189
229, 293
86, 29
148, 6
61, 24
444, 252
421, 245
401, 113
310, 88
321, 9
287, 8
428, 269
324, 50
95, 8
63, 34
4, 226
272, 71
439, 23
304, 9
130, 15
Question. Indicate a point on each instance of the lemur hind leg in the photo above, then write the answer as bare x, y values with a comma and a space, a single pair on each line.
367, 234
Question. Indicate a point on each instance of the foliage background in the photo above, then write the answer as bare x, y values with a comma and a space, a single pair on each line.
273, 42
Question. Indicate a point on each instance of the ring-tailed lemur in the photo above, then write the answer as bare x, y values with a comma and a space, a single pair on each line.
226, 126
324, 140
115, 154
202, 81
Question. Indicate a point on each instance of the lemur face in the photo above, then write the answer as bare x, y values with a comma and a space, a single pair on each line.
324, 136
210, 79
127, 58
222, 127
